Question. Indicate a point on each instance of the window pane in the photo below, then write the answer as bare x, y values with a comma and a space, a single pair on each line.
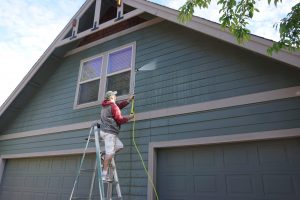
88, 92
119, 82
91, 69
119, 60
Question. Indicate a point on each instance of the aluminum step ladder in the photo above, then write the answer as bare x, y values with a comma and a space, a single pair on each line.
112, 171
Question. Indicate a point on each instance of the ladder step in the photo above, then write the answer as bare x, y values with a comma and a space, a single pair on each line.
93, 139
87, 198
87, 170
110, 181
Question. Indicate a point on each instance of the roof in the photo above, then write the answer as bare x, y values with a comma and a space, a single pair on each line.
255, 44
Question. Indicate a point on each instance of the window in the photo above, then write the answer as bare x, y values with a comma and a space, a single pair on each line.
89, 81
112, 70
118, 71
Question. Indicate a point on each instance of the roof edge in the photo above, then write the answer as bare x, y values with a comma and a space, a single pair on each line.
256, 44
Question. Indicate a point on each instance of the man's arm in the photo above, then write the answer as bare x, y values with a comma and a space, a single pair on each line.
122, 104
116, 113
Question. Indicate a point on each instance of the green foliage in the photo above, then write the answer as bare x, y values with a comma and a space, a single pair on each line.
289, 30
187, 10
236, 15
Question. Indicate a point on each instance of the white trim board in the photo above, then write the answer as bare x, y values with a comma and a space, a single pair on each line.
210, 105
48, 153
246, 137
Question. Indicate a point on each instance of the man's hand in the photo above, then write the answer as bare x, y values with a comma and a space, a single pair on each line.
131, 116
130, 97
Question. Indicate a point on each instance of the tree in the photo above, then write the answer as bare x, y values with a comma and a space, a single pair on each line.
237, 13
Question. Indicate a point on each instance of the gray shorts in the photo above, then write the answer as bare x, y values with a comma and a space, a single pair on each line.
112, 143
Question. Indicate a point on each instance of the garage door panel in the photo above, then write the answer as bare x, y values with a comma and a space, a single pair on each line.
264, 170
205, 158
237, 156
173, 163
52, 196
272, 153
67, 183
55, 182
282, 184
44, 178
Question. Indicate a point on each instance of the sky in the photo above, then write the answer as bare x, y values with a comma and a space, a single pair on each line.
28, 27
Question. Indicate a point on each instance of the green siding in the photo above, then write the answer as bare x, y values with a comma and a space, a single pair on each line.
241, 119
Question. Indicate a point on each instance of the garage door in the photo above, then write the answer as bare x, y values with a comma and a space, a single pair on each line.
266, 170
47, 178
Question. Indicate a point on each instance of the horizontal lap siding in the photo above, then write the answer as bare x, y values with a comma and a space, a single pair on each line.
198, 69
265, 116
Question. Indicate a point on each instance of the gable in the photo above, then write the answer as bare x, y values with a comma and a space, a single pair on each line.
190, 68
100, 19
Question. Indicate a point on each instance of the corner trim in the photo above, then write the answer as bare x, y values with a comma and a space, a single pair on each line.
246, 137
2, 165
179, 110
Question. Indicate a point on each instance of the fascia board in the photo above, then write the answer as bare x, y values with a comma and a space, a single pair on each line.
256, 44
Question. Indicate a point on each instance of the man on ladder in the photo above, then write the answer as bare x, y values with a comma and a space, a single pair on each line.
110, 123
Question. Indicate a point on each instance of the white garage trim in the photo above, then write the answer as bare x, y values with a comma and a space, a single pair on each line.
179, 110
2, 165
247, 137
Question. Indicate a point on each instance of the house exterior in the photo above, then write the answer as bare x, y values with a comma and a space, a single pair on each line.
215, 120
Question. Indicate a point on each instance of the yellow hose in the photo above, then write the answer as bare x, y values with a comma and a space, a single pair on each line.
138, 151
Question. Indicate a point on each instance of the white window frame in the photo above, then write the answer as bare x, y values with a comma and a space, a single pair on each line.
104, 75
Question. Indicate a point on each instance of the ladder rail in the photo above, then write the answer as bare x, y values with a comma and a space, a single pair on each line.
116, 178
81, 163
98, 168
98, 158
93, 181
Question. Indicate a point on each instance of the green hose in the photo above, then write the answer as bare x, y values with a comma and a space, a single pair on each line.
138, 151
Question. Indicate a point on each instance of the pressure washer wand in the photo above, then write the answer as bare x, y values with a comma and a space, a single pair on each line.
132, 106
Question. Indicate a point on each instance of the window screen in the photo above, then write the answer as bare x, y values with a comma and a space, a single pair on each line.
119, 82
118, 71
88, 92
119, 60
91, 69
89, 81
